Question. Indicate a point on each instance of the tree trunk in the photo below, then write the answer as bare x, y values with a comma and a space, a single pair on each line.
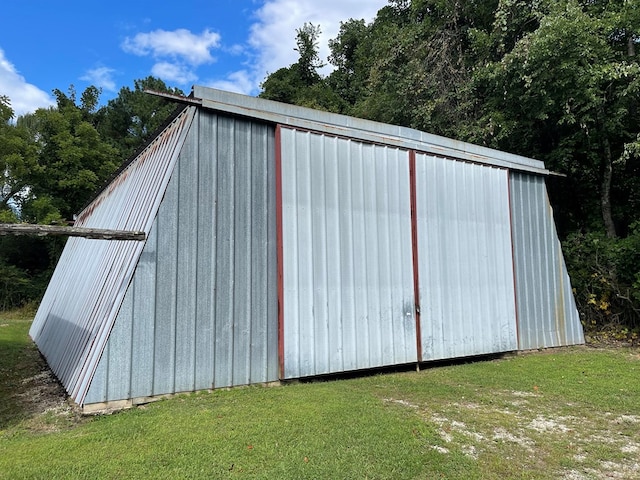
605, 192
631, 47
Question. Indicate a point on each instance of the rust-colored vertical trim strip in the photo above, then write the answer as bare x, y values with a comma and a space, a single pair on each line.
513, 259
414, 248
280, 256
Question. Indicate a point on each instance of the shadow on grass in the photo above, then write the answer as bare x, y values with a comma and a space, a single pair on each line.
401, 368
27, 385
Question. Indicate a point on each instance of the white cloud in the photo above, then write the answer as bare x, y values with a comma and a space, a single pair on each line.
270, 44
235, 49
180, 44
178, 52
25, 98
272, 37
237, 82
172, 72
101, 77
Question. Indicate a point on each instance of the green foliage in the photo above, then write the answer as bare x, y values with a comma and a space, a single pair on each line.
130, 119
18, 159
8, 216
54, 161
6, 112
16, 288
300, 83
349, 56
41, 210
74, 160
605, 274
307, 47
25, 268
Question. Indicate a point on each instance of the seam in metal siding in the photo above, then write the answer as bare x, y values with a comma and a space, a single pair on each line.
465, 262
547, 312
203, 300
347, 266
79, 307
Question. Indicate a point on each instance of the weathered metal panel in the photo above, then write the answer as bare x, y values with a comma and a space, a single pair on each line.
206, 242
242, 263
119, 367
144, 304
204, 303
264, 260
347, 262
547, 313
162, 349
225, 261
77, 312
465, 260
187, 256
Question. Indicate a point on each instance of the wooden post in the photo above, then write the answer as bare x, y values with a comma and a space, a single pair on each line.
93, 233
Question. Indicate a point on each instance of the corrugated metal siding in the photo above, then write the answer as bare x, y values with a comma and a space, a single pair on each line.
78, 310
465, 259
201, 311
547, 312
347, 266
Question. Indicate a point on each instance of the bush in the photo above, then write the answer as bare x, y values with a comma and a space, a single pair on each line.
18, 288
26, 265
605, 274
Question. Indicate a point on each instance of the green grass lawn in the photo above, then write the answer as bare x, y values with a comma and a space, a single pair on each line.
568, 413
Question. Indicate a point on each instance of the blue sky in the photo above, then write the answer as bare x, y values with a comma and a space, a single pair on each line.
227, 44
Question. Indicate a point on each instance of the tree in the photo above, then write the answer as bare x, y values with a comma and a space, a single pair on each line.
350, 54
73, 159
309, 62
18, 159
130, 119
570, 98
419, 63
301, 83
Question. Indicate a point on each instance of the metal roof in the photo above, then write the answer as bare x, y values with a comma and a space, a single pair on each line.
357, 128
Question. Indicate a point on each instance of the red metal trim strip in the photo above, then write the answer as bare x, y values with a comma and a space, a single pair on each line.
279, 236
414, 248
513, 259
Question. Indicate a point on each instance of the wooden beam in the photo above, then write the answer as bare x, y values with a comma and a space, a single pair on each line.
94, 233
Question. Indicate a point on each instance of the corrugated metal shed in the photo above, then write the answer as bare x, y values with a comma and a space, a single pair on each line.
283, 242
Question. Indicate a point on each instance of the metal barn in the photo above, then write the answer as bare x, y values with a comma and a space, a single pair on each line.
283, 242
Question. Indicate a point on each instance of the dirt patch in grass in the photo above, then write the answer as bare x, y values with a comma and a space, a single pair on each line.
537, 436
41, 392
31, 397
45, 405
